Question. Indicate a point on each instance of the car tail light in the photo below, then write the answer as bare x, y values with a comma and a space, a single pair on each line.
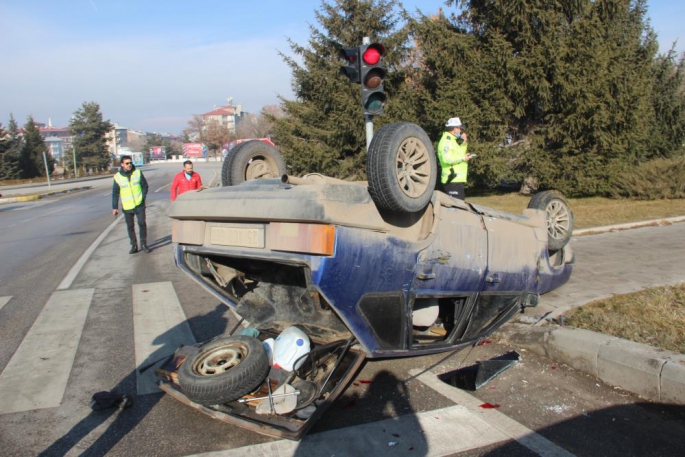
294, 237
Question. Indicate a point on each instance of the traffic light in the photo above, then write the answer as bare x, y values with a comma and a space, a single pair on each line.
351, 70
372, 75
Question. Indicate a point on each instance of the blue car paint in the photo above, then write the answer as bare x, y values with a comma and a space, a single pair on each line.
364, 262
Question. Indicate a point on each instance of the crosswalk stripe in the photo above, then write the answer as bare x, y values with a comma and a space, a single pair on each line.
512, 429
3, 301
37, 374
439, 432
446, 431
160, 327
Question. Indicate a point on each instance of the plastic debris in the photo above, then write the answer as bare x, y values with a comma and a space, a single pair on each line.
392, 443
250, 331
489, 406
475, 376
290, 347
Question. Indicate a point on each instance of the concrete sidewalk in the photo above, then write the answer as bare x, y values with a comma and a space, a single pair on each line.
615, 260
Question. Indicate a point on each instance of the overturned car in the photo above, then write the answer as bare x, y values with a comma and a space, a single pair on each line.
388, 268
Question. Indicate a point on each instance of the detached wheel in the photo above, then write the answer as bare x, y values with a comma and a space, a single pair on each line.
224, 370
401, 168
252, 160
559, 217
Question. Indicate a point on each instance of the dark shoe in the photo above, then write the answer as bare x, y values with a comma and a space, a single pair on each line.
133, 250
105, 400
145, 248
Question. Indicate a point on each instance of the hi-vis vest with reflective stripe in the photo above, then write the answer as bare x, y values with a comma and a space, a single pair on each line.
131, 192
452, 157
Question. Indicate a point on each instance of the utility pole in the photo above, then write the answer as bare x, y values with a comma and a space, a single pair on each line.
73, 151
47, 173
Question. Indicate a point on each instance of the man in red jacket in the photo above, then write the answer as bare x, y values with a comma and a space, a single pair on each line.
185, 181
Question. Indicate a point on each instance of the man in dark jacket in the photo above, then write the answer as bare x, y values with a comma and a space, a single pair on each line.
185, 180
130, 184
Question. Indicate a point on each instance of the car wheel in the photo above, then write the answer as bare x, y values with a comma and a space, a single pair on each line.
252, 160
401, 168
224, 370
559, 217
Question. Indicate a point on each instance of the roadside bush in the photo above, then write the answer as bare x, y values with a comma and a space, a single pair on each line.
654, 180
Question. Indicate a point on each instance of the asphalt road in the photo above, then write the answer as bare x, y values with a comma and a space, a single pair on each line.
394, 407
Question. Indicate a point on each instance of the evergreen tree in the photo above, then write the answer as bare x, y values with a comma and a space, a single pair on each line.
323, 128
10, 151
557, 90
89, 132
34, 152
669, 106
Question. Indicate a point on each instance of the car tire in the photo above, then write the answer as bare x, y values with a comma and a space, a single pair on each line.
401, 167
252, 160
559, 217
224, 370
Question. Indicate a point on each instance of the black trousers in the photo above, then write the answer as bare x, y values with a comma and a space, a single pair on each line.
139, 213
455, 190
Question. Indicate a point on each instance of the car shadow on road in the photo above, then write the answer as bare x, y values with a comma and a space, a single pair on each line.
635, 429
127, 419
370, 401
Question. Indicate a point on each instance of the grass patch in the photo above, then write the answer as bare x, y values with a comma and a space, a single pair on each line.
653, 316
594, 211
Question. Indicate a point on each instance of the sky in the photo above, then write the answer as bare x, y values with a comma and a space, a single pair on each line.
151, 65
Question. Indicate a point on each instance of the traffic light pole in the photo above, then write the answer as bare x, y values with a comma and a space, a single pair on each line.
368, 120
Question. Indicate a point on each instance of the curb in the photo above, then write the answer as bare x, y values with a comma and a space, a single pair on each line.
28, 198
652, 373
629, 225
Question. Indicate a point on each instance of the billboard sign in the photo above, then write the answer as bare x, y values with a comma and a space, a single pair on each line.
194, 150
157, 152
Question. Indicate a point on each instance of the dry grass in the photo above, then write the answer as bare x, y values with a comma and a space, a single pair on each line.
594, 211
653, 316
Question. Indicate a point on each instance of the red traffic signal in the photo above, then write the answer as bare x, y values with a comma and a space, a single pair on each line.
373, 53
372, 76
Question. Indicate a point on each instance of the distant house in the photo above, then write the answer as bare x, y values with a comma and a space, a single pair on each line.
226, 116
56, 147
62, 133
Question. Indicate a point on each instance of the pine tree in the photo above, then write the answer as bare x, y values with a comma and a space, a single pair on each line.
549, 89
323, 128
10, 151
669, 106
89, 130
34, 152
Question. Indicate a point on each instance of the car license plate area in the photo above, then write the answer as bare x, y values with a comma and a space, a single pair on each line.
241, 235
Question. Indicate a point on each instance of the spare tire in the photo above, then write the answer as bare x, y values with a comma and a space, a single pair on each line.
401, 167
559, 217
252, 160
224, 370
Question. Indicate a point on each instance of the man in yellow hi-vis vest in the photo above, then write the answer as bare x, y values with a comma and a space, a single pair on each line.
454, 158
130, 184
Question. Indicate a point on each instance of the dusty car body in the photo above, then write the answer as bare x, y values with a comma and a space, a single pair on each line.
322, 254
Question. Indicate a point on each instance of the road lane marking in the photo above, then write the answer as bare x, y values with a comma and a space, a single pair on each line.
512, 429
165, 185
76, 269
3, 301
36, 376
160, 327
